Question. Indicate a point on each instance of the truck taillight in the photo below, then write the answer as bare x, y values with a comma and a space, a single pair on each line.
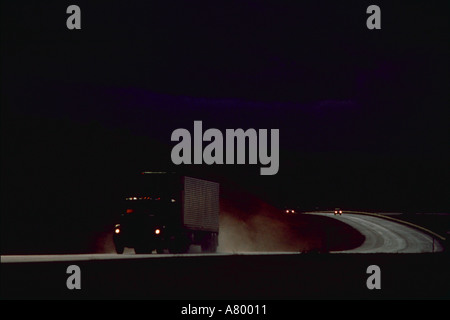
129, 210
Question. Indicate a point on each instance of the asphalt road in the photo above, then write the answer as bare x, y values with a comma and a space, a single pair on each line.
230, 277
114, 256
386, 236
275, 275
381, 236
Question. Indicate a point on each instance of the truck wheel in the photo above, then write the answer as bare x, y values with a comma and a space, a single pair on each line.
209, 244
119, 249
209, 248
206, 248
118, 245
179, 246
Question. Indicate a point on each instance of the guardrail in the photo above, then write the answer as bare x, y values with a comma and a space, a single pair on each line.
434, 234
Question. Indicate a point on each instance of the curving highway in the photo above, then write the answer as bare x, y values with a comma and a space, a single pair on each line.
259, 275
386, 236
381, 236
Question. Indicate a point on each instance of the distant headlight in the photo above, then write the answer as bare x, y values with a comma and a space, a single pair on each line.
117, 230
157, 231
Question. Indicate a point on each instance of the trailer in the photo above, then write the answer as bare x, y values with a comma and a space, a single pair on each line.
166, 211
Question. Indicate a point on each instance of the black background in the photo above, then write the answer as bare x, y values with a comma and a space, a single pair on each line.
363, 114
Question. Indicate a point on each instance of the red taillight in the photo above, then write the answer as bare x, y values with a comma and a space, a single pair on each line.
130, 210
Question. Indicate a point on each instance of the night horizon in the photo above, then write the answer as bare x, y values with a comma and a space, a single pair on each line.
297, 129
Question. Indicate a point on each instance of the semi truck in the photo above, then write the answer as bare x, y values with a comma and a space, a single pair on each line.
167, 211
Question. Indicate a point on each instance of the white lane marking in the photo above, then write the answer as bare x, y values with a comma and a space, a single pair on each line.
113, 256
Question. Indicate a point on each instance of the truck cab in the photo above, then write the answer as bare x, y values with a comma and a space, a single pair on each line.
169, 212
145, 223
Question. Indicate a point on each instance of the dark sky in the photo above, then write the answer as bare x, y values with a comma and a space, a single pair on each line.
314, 53
362, 114
364, 102
255, 50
